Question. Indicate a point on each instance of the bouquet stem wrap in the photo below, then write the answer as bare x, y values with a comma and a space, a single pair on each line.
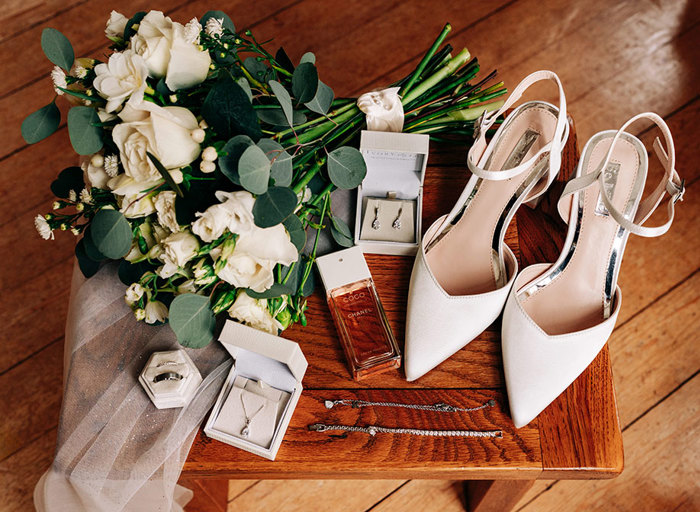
115, 450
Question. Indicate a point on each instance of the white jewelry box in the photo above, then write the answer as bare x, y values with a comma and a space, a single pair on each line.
259, 356
396, 165
180, 386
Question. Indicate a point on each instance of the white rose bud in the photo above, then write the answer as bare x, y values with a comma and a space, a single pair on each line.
384, 110
156, 311
116, 25
254, 313
178, 249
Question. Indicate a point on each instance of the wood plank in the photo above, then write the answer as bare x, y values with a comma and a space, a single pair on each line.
313, 495
20, 15
662, 466
331, 455
209, 495
495, 495
427, 495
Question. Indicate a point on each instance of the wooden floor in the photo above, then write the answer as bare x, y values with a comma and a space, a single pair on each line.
615, 59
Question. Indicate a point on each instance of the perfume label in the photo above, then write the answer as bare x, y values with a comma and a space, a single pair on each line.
611, 172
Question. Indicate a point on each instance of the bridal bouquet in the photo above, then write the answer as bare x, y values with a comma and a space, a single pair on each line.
206, 161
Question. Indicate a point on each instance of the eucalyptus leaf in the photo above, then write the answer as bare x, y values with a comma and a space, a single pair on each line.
254, 170
111, 233
322, 100
165, 174
243, 83
68, 179
57, 48
40, 124
346, 167
256, 68
284, 99
129, 29
341, 232
308, 57
132, 272
228, 110
274, 206
297, 234
276, 290
305, 82
234, 148
91, 249
85, 136
283, 60
227, 23
87, 266
192, 320
276, 117
280, 162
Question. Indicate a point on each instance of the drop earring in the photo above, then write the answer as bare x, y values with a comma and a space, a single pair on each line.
375, 222
397, 221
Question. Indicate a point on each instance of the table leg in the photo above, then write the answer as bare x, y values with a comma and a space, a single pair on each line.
210, 495
494, 495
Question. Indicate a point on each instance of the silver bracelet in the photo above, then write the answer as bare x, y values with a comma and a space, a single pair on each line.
439, 407
375, 429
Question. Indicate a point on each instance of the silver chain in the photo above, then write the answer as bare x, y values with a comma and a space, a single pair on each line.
439, 407
375, 429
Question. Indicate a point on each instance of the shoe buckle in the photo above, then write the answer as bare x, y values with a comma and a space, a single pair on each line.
678, 191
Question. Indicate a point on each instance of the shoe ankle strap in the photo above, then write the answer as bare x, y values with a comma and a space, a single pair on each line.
670, 184
479, 151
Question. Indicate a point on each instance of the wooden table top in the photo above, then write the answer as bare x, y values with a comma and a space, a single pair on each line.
577, 436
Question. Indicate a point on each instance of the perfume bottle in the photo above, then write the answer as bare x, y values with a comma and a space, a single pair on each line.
359, 317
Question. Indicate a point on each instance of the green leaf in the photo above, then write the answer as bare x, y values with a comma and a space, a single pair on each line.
87, 266
227, 23
228, 110
346, 167
308, 57
131, 272
276, 290
274, 206
57, 48
310, 283
305, 82
254, 170
129, 27
341, 232
322, 99
297, 234
165, 174
91, 249
256, 68
68, 179
280, 162
283, 59
111, 233
234, 148
85, 137
285, 101
40, 124
276, 117
243, 83
192, 320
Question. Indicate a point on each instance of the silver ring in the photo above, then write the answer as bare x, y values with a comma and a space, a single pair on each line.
167, 376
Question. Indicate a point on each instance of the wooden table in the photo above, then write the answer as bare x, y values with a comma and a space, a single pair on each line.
577, 437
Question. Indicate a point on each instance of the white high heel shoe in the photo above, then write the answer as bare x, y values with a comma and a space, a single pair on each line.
558, 317
463, 270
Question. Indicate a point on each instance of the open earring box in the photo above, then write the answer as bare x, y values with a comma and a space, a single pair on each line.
259, 358
390, 198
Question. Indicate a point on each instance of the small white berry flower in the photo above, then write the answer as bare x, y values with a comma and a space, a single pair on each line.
72, 196
209, 154
85, 196
111, 164
140, 314
206, 166
43, 228
75, 231
79, 71
56, 205
214, 26
58, 77
192, 30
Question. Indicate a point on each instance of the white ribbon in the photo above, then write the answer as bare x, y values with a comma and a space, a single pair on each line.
383, 110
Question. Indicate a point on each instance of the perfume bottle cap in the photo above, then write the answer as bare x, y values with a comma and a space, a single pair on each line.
343, 267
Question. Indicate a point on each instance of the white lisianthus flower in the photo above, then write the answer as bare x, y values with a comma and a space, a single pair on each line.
159, 233
254, 258
254, 313
155, 311
177, 250
235, 213
124, 76
43, 228
165, 207
116, 24
212, 223
214, 26
94, 175
58, 77
188, 286
137, 205
134, 293
162, 131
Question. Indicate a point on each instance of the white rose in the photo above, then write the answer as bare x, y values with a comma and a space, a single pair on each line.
153, 41
254, 257
165, 206
212, 223
188, 65
254, 313
177, 250
124, 76
156, 311
116, 24
122, 184
162, 131
94, 175
134, 293
137, 205
384, 110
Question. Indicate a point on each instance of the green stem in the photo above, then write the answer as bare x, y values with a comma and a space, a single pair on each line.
453, 65
426, 58
308, 176
324, 127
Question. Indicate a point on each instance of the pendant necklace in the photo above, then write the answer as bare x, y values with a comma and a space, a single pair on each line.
245, 431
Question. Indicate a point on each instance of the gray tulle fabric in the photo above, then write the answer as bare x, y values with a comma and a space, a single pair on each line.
115, 450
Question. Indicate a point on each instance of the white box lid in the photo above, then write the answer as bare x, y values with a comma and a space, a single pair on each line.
235, 336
